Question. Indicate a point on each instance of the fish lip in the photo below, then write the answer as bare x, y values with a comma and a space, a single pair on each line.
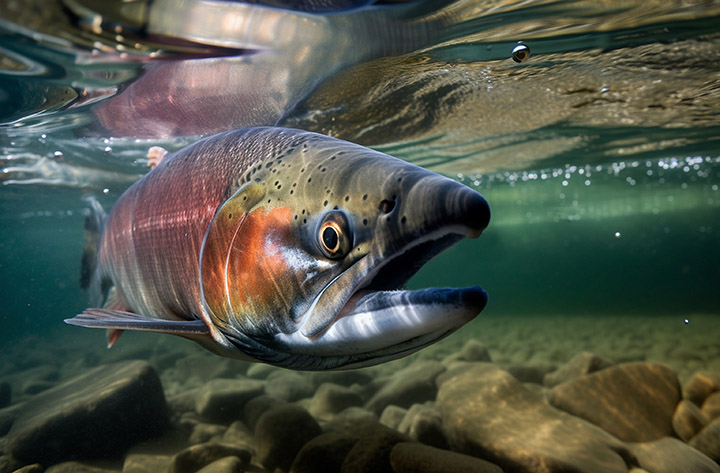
374, 284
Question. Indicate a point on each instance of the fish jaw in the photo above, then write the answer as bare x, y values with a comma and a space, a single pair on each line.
362, 317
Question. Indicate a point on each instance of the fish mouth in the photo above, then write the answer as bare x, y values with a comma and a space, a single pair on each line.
378, 320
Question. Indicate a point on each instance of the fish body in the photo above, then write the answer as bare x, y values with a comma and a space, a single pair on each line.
285, 247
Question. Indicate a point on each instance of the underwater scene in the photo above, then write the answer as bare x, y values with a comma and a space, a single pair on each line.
359, 236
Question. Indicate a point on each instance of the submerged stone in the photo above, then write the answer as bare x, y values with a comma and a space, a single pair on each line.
708, 440
411, 385
407, 457
281, 432
225, 465
98, 414
223, 400
198, 456
669, 455
633, 401
688, 420
371, 452
489, 414
700, 385
711, 406
580, 365
325, 453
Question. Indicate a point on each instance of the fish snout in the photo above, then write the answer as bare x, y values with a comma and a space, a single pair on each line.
436, 203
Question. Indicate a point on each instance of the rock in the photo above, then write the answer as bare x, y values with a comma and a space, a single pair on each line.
371, 452
183, 402
711, 406
529, 373
207, 367
700, 385
257, 406
423, 423
669, 455
34, 468
633, 401
325, 453
5, 394
343, 378
408, 457
281, 432
238, 434
350, 419
488, 413
203, 433
688, 420
196, 457
579, 365
98, 414
261, 371
471, 351
329, 399
35, 386
6, 421
225, 465
77, 467
411, 385
8, 464
392, 416
223, 400
146, 463
289, 386
708, 440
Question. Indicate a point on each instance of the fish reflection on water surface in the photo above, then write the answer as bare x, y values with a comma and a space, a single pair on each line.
286, 247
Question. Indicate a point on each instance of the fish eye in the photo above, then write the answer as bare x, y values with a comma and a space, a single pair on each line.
334, 235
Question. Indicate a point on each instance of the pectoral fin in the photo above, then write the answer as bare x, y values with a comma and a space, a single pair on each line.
121, 320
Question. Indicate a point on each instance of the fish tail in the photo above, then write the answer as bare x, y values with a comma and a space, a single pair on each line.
89, 274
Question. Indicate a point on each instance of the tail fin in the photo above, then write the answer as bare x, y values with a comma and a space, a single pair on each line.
89, 274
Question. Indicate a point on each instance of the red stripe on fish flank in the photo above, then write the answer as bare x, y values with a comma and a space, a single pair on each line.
256, 267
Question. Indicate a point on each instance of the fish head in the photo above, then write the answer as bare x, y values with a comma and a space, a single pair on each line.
304, 266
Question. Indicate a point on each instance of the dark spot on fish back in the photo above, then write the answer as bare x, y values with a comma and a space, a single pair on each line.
387, 206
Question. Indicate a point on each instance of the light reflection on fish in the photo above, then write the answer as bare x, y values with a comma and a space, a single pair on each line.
285, 247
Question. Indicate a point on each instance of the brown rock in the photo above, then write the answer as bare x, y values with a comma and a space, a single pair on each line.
529, 373
224, 465
423, 422
223, 400
349, 419
489, 414
700, 385
238, 434
34, 468
325, 453
146, 463
392, 416
669, 455
77, 467
257, 406
688, 420
408, 457
98, 414
580, 365
711, 406
471, 351
198, 456
289, 386
371, 453
329, 399
411, 385
281, 432
633, 401
708, 440
203, 433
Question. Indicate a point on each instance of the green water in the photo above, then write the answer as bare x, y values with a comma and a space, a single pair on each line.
599, 155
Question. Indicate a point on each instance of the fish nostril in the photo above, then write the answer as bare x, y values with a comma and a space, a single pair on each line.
476, 211
387, 206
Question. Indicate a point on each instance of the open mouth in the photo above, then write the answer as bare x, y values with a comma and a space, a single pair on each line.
378, 319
